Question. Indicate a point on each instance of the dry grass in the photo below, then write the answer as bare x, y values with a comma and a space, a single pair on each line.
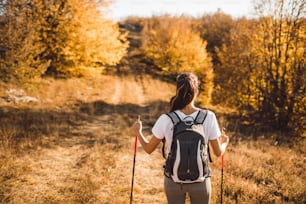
74, 146
260, 172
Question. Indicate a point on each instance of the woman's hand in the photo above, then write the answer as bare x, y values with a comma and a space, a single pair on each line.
219, 145
137, 127
148, 146
224, 139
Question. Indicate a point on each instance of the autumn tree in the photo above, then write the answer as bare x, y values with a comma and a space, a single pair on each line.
20, 42
269, 64
174, 47
50, 36
282, 82
215, 29
93, 39
238, 65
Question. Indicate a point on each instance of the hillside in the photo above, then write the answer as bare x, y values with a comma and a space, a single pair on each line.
74, 145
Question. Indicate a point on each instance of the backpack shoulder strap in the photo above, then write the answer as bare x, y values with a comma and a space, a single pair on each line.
201, 116
174, 117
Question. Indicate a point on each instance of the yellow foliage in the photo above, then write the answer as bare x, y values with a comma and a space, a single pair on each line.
92, 37
264, 70
174, 46
56, 36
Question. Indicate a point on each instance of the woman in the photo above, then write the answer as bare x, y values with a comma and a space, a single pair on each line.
183, 104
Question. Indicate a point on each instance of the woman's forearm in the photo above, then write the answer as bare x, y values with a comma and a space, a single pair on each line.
148, 145
143, 141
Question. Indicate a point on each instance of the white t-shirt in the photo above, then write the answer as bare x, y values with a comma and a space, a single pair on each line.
163, 127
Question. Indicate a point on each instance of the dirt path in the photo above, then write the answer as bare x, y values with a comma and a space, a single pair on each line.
128, 89
148, 183
90, 167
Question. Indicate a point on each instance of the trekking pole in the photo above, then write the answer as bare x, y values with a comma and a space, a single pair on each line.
135, 149
222, 173
222, 178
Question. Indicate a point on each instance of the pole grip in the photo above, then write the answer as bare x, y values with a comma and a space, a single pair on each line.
135, 145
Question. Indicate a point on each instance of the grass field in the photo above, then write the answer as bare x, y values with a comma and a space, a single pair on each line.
74, 145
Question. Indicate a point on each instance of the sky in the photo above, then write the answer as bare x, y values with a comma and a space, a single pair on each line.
120, 9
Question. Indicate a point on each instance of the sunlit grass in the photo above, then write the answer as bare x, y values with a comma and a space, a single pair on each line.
262, 173
75, 146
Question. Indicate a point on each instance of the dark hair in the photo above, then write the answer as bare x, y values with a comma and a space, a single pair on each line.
186, 88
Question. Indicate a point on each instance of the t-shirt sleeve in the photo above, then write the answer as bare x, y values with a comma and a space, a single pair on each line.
160, 127
213, 130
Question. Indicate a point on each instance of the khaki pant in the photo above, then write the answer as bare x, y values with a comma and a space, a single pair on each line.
199, 193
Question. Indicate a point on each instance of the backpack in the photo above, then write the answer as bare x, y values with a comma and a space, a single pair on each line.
187, 161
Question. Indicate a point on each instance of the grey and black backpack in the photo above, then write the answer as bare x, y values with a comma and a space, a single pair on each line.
187, 161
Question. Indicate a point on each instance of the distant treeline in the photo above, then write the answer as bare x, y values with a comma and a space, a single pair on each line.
255, 65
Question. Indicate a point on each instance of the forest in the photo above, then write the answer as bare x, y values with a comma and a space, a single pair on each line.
252, 73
